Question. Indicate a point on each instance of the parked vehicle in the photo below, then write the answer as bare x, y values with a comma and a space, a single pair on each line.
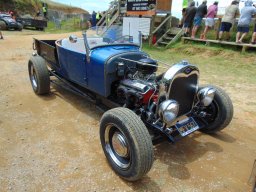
143, 108
37, 23
10, 23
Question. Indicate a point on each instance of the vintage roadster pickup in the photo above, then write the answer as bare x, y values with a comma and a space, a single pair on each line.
142, 106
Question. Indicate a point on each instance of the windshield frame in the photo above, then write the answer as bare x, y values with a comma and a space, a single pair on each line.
93, 34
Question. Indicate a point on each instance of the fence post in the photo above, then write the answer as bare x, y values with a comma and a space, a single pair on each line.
152, 26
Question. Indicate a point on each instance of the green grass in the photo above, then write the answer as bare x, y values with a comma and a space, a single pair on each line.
217, 65
32, 6
70, 25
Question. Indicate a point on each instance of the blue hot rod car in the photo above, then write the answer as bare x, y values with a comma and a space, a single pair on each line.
143, 107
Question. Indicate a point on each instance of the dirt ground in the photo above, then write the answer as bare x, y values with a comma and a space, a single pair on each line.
51, 143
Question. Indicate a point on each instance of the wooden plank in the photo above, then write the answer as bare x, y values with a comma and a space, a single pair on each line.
152, 24
176, 38
220, 42
164, 5
166, 20
161, 39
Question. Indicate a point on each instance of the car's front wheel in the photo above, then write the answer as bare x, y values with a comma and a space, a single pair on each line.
126, 143
219, 112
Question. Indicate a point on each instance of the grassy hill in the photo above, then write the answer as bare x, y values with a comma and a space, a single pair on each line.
31, 6
64, 8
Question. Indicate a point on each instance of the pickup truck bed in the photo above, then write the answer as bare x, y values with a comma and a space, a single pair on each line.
35, 23
47, 50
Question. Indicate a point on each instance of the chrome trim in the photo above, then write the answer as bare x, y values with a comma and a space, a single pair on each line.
117, 154
87, 48
168, 115
119, 144
33, 77
140, 39
176, 71
183, 75
206, 95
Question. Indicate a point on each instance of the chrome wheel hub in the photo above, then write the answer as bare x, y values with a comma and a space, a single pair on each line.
33, 77
119, 144
117, 147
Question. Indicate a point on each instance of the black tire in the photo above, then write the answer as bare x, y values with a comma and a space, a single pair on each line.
221, 111
135, 158
20, 27
3, 25
39, 75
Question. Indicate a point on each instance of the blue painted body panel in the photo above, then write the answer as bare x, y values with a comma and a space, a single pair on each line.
74, 67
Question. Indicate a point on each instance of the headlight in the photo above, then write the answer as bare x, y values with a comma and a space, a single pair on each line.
206, 96
168, 111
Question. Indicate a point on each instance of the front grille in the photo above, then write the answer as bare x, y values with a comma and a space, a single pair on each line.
183, 90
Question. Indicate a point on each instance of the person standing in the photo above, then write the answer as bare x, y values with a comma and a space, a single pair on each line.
244, 21
209, 23
231, 12
254, 42
45, 11
184, 9
93, 22
254, 36
189, 17
1, 35
200, 13
98, 17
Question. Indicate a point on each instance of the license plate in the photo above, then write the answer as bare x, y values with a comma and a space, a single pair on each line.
187, 126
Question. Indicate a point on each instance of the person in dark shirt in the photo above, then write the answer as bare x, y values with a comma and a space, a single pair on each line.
200, 13
189, 17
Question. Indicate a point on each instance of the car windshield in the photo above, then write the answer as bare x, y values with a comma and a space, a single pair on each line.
114, 35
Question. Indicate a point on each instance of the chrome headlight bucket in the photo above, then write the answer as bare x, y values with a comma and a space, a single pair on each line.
206, 96
168, 111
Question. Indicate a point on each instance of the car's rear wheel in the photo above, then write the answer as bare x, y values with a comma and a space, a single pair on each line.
219, 113
126, 143
39, 75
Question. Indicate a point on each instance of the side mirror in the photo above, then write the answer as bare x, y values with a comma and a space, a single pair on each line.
72, 38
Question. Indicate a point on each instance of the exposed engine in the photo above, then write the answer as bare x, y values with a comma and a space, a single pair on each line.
161, 100
139, 87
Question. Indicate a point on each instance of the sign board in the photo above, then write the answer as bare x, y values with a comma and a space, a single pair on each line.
148, 7
141, 7
132, 26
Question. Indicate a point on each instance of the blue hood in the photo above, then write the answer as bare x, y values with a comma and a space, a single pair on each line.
102, 54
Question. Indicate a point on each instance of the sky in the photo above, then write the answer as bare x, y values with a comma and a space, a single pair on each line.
102, 5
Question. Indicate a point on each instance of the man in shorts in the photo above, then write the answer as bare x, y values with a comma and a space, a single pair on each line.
209, 22
200, 13
231, 12
189, 17
254, 36
184, 9
244, 21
